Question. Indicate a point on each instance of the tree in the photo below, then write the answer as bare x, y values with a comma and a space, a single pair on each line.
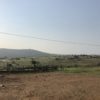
9, 67
35, 63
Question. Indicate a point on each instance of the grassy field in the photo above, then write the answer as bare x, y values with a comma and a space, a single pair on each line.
77, 78
50, 86
72, 61
80, 70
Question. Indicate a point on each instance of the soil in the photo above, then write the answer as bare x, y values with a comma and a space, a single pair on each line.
49, 86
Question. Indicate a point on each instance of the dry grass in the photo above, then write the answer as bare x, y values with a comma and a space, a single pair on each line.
50, 86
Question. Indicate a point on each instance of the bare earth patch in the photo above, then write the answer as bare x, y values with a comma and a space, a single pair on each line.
49, 86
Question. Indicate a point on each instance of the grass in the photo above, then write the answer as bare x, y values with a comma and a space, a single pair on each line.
92, 70
50, 86
71, 64
82, 81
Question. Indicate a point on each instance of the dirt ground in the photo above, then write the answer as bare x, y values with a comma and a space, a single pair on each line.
49, 86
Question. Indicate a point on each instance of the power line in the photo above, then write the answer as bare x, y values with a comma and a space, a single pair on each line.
52, 40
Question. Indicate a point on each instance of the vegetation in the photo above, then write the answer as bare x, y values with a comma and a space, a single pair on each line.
81, 83
49, 86
68, 64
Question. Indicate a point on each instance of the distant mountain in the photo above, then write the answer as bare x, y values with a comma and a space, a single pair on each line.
13, 53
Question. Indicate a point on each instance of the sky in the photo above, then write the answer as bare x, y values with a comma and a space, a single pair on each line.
64, 20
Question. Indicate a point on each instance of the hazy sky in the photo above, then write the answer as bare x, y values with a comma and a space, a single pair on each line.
67, 20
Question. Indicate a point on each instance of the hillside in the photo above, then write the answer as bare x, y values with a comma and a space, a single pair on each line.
13, 53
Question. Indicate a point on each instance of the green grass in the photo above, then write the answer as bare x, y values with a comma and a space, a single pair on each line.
71, 64
92, 70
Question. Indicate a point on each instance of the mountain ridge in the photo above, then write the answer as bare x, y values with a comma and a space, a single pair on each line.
13, 53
